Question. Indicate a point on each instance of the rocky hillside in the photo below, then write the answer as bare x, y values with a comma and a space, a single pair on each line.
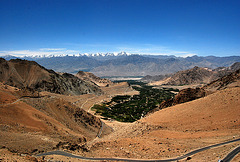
86, 76
235, 66
47, 122
29, 74
189, 94
196, 75
231, 80
175, 131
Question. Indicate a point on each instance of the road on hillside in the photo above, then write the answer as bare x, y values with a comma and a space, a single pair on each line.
100, 131
18, 100
11, 103
233, 153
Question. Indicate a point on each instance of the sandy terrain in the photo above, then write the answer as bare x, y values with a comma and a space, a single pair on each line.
170, 132
86, 101
7, 156
31, 125
177, 130
47, 120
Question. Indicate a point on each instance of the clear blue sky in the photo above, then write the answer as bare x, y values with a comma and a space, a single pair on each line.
179, 27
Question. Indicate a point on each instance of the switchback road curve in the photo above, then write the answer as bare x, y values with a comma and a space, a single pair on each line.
136, 160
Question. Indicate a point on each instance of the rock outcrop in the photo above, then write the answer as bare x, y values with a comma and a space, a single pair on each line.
93, 78
28, 74
196, 75
189, 94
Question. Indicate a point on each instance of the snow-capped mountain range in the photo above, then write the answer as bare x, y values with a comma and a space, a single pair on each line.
105, 54
115, 54
125, 64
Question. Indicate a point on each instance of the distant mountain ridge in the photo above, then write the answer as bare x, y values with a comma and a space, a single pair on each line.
231, 80
29, 74
108, 54
196, 75
86, 76
124, 64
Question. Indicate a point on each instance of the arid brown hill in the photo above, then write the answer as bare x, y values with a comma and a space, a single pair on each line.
177, 130
30, 125
29, 74
231, 80
189, 94
235, 66
196, 75
93, 78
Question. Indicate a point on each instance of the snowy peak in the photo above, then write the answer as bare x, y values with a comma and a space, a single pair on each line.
115, 54
37, 56
98, 56
108, 54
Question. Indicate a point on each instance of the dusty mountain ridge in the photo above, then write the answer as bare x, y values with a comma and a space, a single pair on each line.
45, 119
196, 75
48, 122
22, 74
93, 78
189, 94
37, 108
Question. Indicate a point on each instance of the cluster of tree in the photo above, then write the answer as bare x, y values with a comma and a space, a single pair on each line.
127, 108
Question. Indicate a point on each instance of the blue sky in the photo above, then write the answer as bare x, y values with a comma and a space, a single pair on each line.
171, 27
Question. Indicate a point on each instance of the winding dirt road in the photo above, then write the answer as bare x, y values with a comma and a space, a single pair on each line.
11, 102
227, 158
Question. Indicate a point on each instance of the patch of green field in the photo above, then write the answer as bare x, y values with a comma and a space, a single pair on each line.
127, 108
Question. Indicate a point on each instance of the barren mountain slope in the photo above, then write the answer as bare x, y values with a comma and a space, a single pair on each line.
196, 75
189, 94
23, 129
218, 111
235, 66
86, 76
22, 74
44, 121
177, 130
231, 80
